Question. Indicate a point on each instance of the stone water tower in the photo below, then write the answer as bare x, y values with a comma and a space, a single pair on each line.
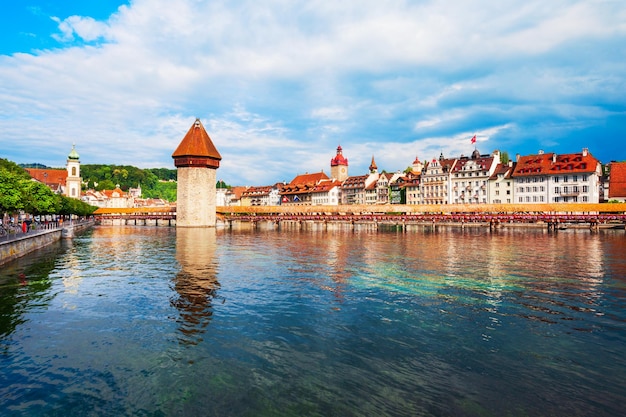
196, 160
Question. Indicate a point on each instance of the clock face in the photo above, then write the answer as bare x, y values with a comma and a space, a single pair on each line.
343, 170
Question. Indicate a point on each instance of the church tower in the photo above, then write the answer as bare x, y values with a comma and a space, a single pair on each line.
339, 166
196, 160
73, 181
373, 167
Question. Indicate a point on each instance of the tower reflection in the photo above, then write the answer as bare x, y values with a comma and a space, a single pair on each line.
196, 284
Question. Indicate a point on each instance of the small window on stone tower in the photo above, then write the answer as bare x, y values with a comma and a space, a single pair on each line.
73, 171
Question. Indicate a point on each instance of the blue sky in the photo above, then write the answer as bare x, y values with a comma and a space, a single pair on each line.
279, 85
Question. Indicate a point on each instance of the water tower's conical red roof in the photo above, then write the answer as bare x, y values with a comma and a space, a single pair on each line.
196, 149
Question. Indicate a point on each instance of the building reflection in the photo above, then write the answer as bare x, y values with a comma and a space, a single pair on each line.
196, 284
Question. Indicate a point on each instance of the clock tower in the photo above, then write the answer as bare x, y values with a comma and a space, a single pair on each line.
339, 166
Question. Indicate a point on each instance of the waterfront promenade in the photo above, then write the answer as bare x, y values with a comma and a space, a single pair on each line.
16, 242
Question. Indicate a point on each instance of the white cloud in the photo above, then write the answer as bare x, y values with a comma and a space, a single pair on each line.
85, 28
280, 84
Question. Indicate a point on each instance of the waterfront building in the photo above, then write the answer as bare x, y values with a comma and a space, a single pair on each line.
552, 178
412, 183
353, 190
469, 177
397, 192
298, 191
339, 166
115, 198
267, 195
500, 186
196, 160
229, 196
412, 190
435, 181
617, 181
326, 193
382, 188
61, 181
370, 189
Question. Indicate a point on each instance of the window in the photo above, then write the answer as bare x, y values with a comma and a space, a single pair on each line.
557, 190
73, 174
585, 177
585, 189
556, 179
575, 178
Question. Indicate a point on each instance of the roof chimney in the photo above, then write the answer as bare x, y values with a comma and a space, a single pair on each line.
585, 151
540, 151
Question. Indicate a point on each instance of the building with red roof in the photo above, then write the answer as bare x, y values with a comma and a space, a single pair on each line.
617, 181
500, 186
61, 181
552, 178
326, 193
339, 165
298, 191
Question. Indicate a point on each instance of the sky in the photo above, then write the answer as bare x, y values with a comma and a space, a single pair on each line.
279, 84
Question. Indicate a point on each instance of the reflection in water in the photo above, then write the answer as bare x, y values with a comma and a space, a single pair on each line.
455, 323
23, 284
196, 284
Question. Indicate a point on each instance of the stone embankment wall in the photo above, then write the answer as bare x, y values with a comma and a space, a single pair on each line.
15, 248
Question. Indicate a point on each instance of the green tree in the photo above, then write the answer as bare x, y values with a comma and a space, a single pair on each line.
37, 198
10, 191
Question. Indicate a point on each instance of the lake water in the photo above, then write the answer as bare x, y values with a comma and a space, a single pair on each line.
141, 321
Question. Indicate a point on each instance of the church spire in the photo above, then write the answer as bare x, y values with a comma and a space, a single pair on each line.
373, 167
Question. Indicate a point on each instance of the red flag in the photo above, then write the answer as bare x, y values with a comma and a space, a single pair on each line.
473, 140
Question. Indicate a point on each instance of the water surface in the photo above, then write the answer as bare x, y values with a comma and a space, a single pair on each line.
164, 322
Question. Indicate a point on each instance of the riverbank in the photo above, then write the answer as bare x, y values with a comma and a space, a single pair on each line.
25, 243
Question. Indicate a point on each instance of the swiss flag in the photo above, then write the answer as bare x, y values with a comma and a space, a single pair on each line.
473, 140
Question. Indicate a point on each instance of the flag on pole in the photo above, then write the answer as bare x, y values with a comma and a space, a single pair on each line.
473, 140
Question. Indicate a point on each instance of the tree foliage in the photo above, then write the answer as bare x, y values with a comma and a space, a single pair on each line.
19, 192
37, 198
107, 177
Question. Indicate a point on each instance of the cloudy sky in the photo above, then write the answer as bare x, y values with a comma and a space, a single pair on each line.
279, 84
